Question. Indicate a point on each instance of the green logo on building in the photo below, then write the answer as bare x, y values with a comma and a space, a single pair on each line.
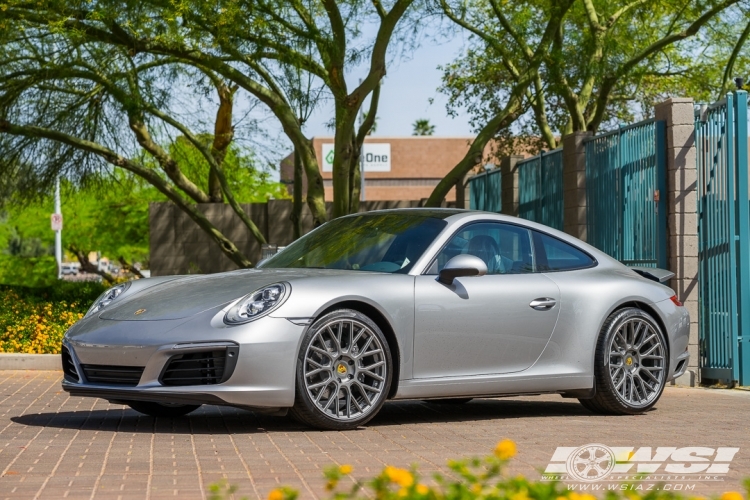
329, 157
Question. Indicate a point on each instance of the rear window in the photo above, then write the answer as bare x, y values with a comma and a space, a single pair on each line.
556, 255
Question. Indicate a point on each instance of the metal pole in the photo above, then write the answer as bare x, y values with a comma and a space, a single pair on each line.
362, 157
58, 234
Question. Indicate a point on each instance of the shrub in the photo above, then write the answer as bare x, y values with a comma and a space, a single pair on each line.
34, 320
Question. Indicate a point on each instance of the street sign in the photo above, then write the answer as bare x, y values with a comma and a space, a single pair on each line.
56, 222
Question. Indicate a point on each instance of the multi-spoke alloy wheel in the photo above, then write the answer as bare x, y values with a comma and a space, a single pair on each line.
631, 363
344, 371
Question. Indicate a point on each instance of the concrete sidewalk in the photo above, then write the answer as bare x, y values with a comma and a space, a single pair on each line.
54, 446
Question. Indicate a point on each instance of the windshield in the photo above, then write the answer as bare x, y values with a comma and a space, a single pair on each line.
386, 243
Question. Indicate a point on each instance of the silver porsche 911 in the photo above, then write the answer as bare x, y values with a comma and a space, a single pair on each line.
434, 304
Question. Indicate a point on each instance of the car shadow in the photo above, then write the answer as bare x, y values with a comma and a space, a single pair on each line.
218, 419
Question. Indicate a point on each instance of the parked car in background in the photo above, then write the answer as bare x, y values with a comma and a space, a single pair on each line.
69, 268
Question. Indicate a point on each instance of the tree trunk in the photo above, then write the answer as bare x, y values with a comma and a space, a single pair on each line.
223, 135
87, 266
315, 190
129, 267
297, 196
355, 176
342, 161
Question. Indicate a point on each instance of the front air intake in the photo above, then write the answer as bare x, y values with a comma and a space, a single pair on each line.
68, 366
200, 368
128, 376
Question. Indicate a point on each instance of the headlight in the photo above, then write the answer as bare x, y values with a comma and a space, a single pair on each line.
107, 297
257, 304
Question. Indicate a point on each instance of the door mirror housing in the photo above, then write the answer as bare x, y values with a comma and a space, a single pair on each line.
462, 265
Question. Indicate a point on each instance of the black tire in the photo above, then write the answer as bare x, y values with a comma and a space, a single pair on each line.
454, 401
305, 409
162, 410
608, 399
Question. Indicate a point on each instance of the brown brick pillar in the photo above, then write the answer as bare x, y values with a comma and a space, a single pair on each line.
682, 215
574, 184
509, 184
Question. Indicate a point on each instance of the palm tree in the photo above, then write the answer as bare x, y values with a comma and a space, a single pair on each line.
423, 127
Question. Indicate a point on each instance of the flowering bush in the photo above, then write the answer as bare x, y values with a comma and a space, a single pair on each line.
34, 320
472, 479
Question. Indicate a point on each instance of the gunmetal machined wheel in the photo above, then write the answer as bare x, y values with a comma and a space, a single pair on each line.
631, 364
343, 371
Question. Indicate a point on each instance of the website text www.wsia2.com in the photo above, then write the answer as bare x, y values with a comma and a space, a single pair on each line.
597, 467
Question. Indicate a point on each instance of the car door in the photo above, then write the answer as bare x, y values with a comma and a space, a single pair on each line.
492, 324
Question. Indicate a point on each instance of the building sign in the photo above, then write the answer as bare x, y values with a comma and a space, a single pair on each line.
377, 157
56, 220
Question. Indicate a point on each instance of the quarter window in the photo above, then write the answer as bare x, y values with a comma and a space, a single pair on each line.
556, 255
506, 249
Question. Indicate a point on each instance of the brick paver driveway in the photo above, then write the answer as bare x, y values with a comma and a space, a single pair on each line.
55, 446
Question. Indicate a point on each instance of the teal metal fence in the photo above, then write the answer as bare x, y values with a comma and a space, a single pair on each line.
723, 239
625, 193
484, 191
540, 188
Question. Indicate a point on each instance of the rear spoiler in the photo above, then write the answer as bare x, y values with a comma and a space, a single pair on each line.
653, 273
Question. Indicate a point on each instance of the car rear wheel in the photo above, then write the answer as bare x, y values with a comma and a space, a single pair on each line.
631, 364
344, 371
162, 410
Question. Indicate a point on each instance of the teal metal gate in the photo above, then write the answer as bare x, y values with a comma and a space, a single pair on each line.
484, 191
625, 193
724, 239
540, 188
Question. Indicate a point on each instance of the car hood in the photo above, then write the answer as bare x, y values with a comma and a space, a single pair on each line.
190, 295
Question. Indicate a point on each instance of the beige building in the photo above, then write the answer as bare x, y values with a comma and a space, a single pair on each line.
396, 168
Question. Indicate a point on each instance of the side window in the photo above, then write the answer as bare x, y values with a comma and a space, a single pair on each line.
506, 249
556, 255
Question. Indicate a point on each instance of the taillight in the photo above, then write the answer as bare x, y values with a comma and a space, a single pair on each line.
674, 300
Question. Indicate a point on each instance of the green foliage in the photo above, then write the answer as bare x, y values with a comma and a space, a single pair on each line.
610, 61
35, 319
423, 127
247, 183
110, 216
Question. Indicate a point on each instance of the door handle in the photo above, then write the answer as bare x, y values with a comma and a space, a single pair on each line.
543, 303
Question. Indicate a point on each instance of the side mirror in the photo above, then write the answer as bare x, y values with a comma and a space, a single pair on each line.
462, 265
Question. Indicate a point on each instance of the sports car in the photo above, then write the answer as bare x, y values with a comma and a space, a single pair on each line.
439, 305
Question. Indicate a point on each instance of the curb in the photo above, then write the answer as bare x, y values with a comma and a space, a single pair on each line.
12, 361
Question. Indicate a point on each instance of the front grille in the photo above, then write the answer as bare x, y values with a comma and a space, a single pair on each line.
113, 375
68, 367
200, 368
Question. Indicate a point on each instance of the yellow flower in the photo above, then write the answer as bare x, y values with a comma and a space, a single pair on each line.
403, 492
505, 449
402, 477
422, 489
521, 495
276, 495
345, 469
476, 488
731, 495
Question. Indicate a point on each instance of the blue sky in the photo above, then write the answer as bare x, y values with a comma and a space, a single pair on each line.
406, 91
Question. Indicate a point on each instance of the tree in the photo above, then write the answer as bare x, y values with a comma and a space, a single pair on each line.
523, 71
606, 58
244, 45
423, 127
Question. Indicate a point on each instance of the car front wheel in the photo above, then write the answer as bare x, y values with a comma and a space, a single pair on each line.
631, 364
344, 371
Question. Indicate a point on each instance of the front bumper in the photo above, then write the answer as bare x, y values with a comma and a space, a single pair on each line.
263, 375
